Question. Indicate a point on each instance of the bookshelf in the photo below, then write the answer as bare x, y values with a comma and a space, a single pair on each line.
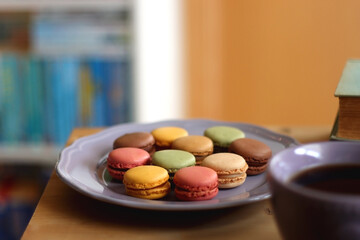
63, 64
153, 43
154, 48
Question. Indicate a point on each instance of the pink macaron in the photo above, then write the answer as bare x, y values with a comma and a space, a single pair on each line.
196, 183
122, 159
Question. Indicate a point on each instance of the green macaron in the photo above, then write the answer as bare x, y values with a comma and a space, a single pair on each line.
173, 160
223, 136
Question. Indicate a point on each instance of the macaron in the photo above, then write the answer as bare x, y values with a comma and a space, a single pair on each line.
199, 146
148, 182
223, 136
143, 140
230, 168
173, 160
122, 159
196, 183
255, 153
164, 136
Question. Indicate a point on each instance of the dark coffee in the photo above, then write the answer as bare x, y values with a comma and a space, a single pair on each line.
343, 179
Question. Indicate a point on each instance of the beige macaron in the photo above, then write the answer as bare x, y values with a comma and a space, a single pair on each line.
231, 168
199, 146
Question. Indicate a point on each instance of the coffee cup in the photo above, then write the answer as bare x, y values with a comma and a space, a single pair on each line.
307, 195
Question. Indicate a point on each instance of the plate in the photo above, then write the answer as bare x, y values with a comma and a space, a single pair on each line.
82, 167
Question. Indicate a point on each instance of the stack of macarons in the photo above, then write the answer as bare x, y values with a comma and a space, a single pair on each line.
197, 165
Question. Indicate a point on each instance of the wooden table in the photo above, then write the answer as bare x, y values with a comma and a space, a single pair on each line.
63, 213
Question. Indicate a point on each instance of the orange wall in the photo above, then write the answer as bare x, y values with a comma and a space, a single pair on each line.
268, 62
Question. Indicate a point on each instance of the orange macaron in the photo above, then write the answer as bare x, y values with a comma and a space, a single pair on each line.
148, 182
164, 136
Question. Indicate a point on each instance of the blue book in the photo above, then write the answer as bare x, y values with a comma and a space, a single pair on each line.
98, 101
33, 100
56, 118
49, 111
107, 91
120, 95
11, 125
128, 98
65, 99
125, 78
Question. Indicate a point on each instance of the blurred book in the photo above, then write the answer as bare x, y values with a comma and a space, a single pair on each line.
347, 125
33, 90
99, 79
86, 94
120, 91
14, 31
63, 89
76, 74
11, 99
42, 98
80, 33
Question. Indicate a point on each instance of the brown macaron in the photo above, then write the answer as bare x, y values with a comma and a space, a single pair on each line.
255, 153
143, 140
199, 146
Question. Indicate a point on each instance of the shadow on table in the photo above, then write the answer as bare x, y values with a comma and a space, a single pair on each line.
205, 221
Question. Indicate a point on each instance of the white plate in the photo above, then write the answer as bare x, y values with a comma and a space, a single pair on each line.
82, 167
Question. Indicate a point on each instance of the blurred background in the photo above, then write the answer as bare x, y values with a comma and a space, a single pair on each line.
92, 63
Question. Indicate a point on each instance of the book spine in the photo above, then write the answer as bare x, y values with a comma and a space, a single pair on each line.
11, 127
57, 94
107, 90
33, 100
125, 79
49, 112
115, 93
120, 94
65, 89
97, 73
86, 94
71, 86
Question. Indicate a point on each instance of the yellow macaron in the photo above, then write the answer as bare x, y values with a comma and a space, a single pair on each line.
149, 182
164, 136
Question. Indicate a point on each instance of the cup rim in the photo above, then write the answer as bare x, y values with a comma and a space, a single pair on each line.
304, 191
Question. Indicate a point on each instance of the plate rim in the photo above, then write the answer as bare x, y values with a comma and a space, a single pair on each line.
78, 145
